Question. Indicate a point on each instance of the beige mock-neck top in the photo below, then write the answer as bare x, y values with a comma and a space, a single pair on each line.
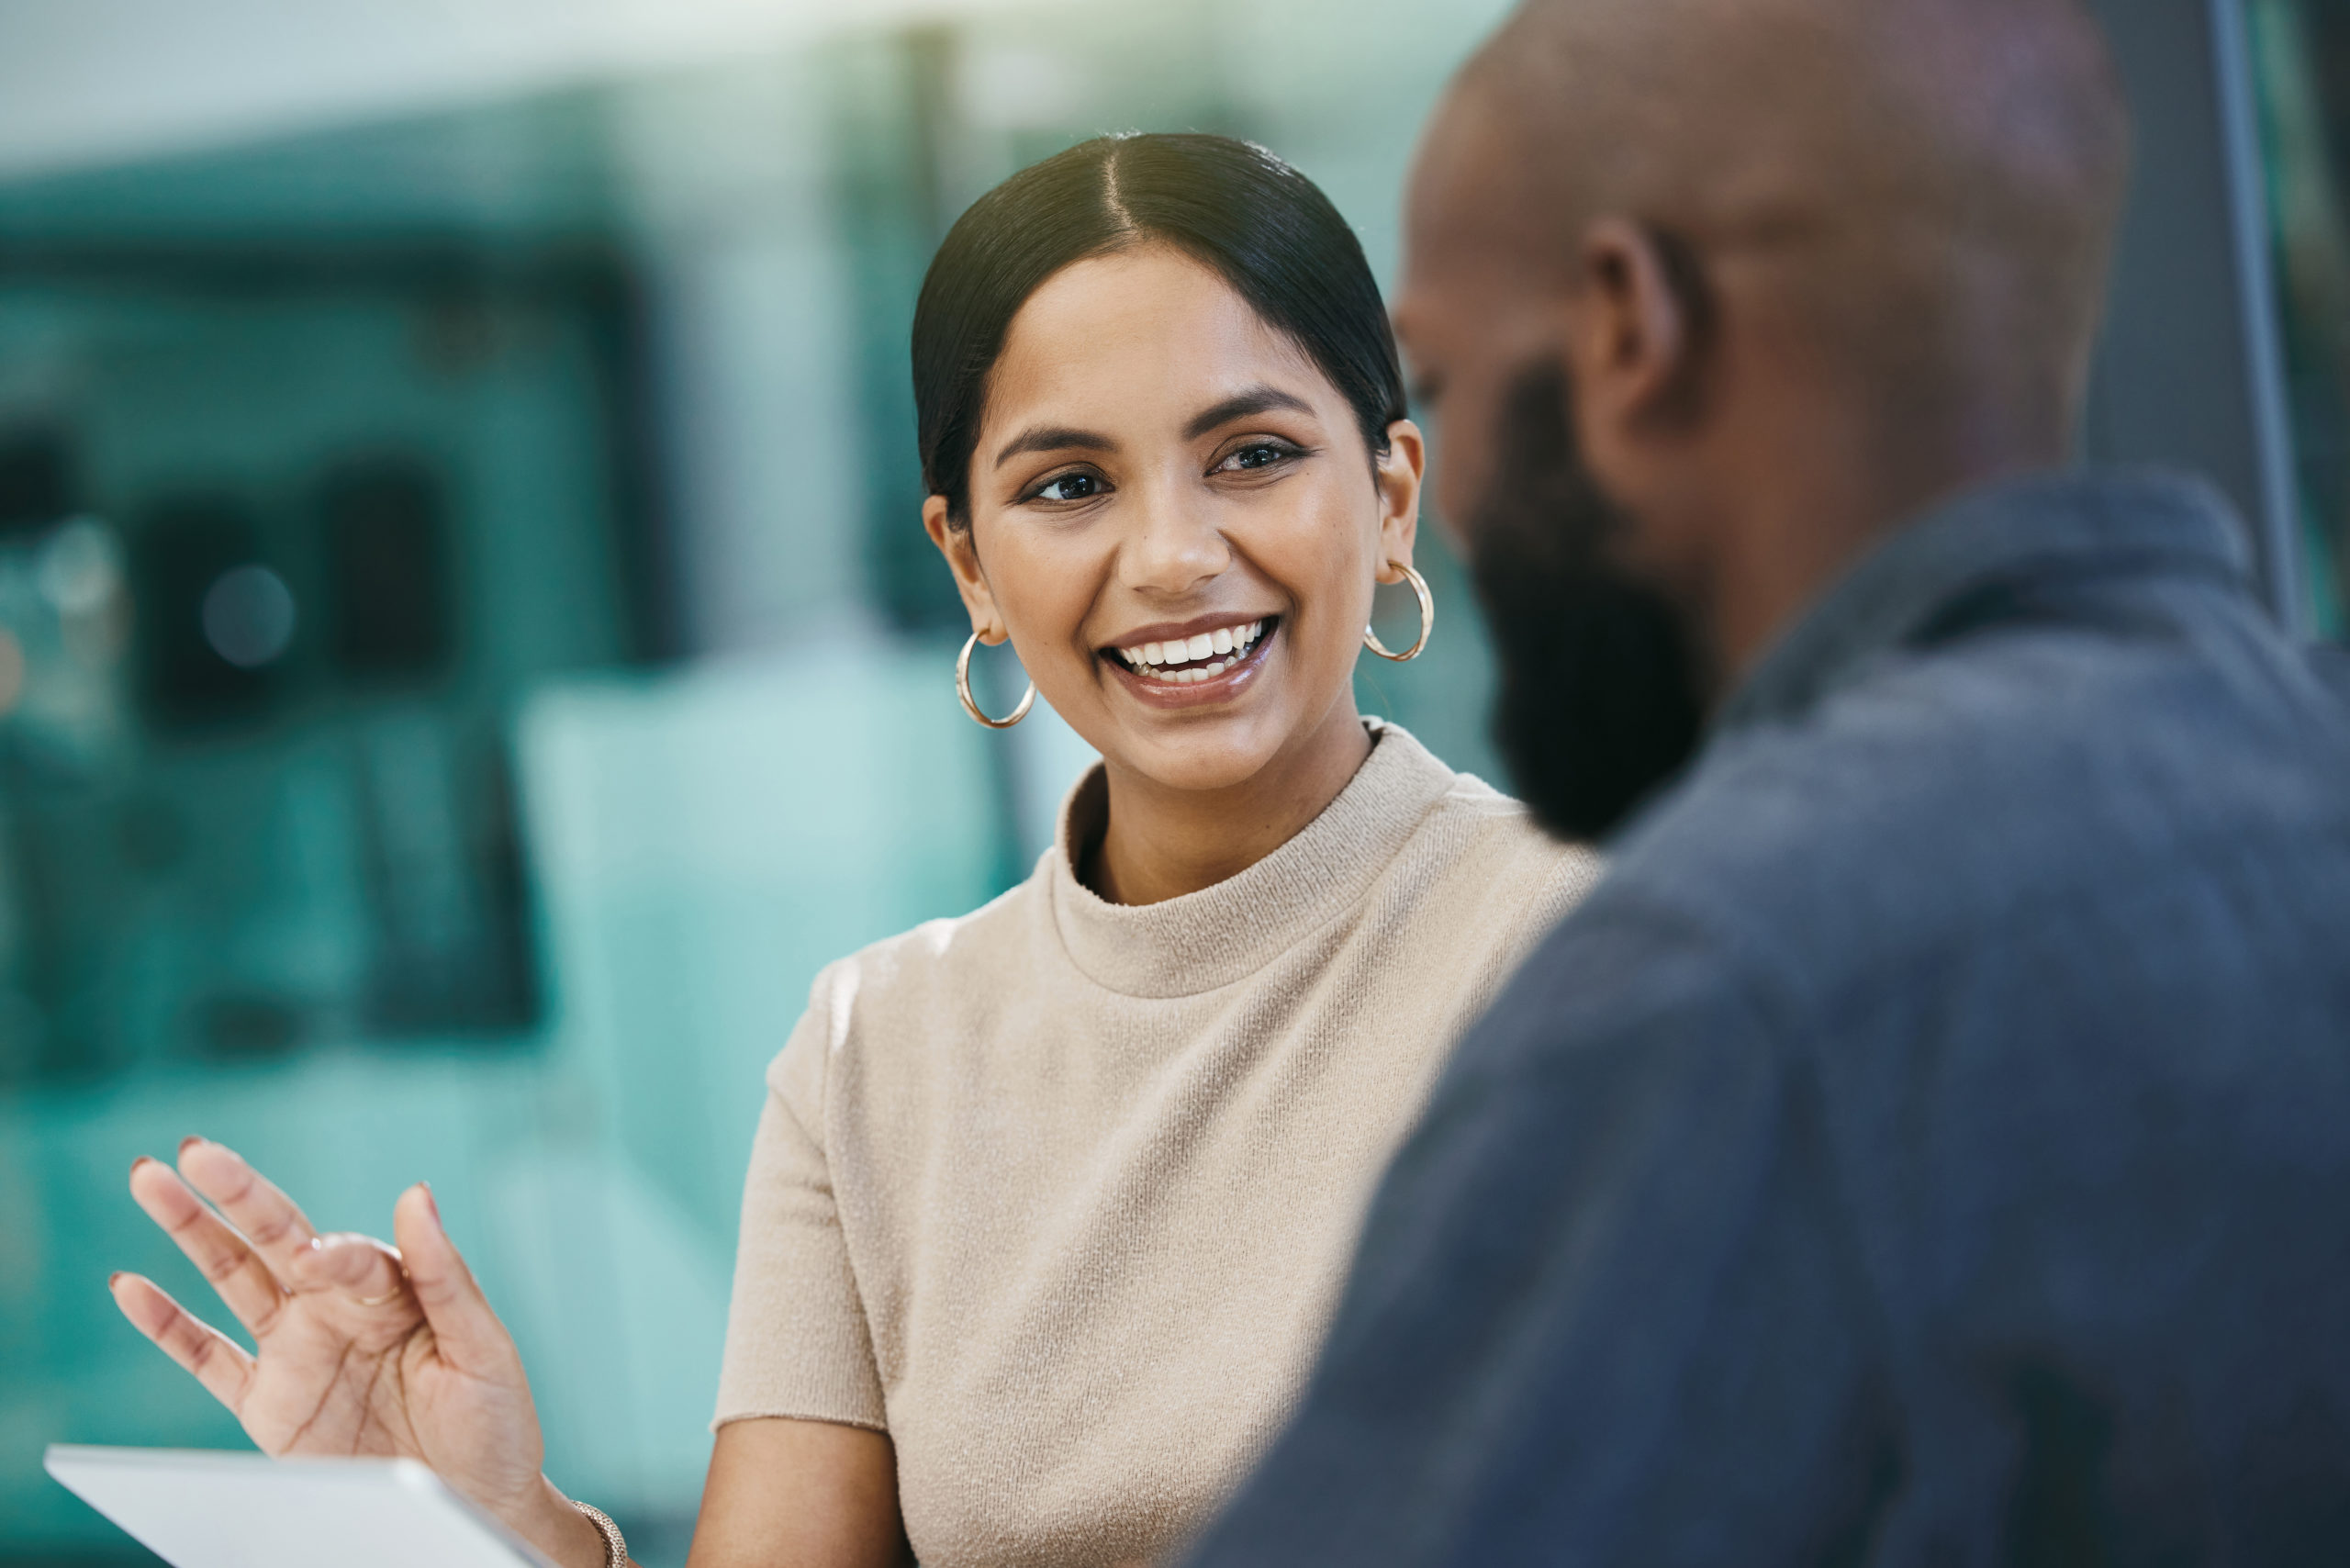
1060, 1194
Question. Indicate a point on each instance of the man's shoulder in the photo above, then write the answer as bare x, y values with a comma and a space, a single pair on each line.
1939, 791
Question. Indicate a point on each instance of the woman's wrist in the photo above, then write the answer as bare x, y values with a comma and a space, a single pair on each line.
558, 1529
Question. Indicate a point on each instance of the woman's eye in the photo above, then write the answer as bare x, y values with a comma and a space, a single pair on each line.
1257, 454
1071, 488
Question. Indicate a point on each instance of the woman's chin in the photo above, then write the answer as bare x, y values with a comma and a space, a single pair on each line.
1208, 753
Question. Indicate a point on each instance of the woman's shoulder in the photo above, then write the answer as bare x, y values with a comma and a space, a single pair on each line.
1465, 813
1495, 834
1481, 881
937, 969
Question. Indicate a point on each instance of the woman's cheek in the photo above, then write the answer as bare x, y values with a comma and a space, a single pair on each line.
1331, 569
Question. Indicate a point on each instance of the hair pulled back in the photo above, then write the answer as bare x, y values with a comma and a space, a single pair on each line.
1261, 226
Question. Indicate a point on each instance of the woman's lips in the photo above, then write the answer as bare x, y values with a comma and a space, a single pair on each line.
1239, 672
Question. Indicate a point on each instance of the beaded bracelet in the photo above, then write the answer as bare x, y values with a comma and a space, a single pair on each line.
615, 1548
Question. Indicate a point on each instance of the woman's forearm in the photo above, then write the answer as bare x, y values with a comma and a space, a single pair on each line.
787, 1494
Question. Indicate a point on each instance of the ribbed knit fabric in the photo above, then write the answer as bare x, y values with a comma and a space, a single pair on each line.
1060, 1194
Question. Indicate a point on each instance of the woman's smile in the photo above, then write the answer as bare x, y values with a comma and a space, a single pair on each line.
1196, 664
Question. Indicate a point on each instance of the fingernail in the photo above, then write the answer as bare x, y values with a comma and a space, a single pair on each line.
189, 1142
142, 1159
431, 1207
113, 1277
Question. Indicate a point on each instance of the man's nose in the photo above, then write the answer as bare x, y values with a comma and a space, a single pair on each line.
1174, 546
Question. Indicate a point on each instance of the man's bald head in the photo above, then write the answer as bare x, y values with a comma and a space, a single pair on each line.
1712, 294
1931, 185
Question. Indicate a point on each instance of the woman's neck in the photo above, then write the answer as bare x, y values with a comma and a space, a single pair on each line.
1162, 843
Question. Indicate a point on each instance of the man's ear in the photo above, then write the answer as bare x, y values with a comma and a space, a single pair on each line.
962, 552
1634, 334
1402, 468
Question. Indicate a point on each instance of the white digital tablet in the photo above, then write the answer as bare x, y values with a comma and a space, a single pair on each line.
201, 1510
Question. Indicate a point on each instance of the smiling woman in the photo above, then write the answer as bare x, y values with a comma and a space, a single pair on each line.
1229, 445
1049, 1205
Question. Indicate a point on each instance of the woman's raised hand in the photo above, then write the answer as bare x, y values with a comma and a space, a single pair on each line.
361, 1349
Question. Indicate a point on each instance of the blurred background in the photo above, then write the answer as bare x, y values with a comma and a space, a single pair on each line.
468, 653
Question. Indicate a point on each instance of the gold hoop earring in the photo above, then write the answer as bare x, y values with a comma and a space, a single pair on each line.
1427, 620
963, 691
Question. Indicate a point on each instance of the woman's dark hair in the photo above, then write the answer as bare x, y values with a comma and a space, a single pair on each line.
1235, 207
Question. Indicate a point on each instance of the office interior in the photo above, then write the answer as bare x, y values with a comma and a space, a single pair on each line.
468, 653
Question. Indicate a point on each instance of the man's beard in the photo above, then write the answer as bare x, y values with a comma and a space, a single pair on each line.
1599, 702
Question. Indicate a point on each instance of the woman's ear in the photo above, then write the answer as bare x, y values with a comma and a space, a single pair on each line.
1400, 468
962, 552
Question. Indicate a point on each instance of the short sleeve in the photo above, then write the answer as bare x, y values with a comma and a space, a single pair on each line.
797, 1343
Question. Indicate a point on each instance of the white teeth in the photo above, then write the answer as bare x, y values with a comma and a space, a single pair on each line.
1207, 645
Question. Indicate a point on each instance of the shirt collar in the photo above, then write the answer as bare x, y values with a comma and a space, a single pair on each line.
2070, 523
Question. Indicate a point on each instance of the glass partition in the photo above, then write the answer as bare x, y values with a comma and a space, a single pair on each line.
2301, 63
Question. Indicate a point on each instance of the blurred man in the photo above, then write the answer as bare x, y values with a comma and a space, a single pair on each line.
1932, 1142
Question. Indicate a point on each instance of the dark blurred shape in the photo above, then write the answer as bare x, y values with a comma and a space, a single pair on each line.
446, 888
37, 478
178, 556
247, 1028
386, 547
458, 332
896, 203
2328, 37
608, 294
152, 833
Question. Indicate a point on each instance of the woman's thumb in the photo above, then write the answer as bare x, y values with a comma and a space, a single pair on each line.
468, 1332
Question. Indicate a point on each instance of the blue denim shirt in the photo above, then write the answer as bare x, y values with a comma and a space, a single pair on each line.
1931, 1143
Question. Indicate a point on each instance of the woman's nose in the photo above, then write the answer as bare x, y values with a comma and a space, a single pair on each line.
1173, 548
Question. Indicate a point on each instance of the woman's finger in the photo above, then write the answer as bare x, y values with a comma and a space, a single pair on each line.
360, 1268
466, 1331
244, 1283
218, 1363
266, 1216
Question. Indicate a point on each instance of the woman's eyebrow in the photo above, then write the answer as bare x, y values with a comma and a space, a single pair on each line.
1053, 438
1256, 400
